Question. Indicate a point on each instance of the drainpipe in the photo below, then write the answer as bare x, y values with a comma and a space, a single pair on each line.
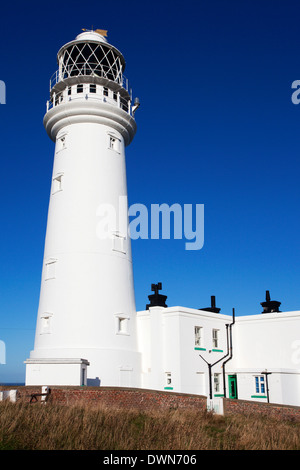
210, 366
267, 385
230, 357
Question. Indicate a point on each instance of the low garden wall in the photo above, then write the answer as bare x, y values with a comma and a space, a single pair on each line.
232, 407
144, 400
140, 399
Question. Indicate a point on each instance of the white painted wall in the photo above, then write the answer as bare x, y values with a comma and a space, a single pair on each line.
56, 372
260, 342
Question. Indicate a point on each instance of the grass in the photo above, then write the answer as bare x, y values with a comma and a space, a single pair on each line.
92, 427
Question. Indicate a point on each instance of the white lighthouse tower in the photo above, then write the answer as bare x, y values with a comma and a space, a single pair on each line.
86, 323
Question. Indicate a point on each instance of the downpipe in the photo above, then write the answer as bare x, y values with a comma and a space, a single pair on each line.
230, 356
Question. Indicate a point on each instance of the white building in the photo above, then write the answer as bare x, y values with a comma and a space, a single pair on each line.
88, 331
204, 352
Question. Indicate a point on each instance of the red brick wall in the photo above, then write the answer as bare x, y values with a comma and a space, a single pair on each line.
127, 398
269, 409
118, 397
148, 399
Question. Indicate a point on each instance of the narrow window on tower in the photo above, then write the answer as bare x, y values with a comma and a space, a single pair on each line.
57, 183
60, 143
118, 242
105, 91
122, 324
46, 323
93, 88
50, 269
114, 143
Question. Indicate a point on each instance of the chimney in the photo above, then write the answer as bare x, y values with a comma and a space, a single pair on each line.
212, 307
269, 305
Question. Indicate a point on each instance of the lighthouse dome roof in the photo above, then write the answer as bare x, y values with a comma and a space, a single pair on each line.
91, 36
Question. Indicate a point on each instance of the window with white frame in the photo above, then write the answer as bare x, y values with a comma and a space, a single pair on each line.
61, 143
215, 338
260, 386
118, 242
198, 336
217, 383
168, 380
50, 269
46, 323
114, 143
57, 183
122, 324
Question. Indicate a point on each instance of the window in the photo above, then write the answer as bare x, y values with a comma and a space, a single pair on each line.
79, 88
114, 143
46, 323
217, 387
215, 338
260, 384
50, 269
198, 336
93, 88
61, 143
115, 96
69, 90
119, 243
122, 324
105, 91
57, 184
168, 381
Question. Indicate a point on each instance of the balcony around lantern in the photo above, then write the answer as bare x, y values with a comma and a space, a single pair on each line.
90, 91
90, 71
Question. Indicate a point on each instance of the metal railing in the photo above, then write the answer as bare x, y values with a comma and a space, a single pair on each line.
92, 70
89, 91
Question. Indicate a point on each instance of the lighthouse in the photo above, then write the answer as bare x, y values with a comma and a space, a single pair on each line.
86, 322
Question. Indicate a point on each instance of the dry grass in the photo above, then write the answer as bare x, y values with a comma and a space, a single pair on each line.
86, 427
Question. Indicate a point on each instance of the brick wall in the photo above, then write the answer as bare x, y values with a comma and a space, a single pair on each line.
232, 407
140, 399
143, 400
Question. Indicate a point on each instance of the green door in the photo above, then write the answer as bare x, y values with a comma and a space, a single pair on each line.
232, 385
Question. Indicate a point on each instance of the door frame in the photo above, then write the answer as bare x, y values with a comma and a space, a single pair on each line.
232, 378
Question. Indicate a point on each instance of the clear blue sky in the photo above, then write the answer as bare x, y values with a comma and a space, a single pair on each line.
216, 127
